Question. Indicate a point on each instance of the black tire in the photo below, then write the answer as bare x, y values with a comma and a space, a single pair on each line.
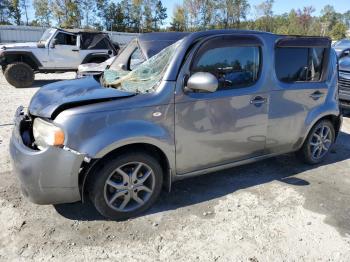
19, 74
305, 154
97, 184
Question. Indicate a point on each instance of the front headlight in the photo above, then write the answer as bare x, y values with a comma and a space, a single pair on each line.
47, 134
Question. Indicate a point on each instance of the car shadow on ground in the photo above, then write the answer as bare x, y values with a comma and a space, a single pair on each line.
215, 185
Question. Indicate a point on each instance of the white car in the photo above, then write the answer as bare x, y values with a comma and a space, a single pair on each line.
93, 68
57, 51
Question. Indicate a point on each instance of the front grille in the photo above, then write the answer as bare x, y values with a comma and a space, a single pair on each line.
344, 83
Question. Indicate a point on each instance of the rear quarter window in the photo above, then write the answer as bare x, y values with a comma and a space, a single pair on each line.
295, 64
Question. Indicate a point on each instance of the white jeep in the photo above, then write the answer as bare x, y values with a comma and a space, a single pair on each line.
57, 51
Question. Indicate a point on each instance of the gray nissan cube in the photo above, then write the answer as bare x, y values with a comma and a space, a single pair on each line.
210, 101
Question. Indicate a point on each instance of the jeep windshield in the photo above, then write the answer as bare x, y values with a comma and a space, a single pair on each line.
47, 35
145, 77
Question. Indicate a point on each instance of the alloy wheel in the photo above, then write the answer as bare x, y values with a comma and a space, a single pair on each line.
129, 186
320, 142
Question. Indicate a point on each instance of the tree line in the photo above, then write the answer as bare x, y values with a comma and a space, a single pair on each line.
195, 15
192, 15
124, 15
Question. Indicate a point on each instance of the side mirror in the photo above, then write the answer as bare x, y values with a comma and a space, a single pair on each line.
53, 43
202, 82
40, 45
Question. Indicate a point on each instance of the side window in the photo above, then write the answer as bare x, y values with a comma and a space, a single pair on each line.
101, 45
295, 64
93, 41
234, 66
65, 39
316, 62
136, 59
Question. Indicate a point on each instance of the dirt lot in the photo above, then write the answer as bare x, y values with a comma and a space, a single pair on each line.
274, 210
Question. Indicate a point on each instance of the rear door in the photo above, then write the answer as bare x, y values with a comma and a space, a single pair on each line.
300, 88
229, 124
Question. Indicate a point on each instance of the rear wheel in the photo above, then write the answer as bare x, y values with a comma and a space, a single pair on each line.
124, 186
318, 143
19, 75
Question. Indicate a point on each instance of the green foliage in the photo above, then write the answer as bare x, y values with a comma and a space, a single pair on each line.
179, 19
42, 12
15, 11
160, 15
233, 14
24, 5
67, 13
150, 15
339, 31
5, 12
87, 8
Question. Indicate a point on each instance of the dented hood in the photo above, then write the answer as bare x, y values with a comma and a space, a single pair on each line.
52, 99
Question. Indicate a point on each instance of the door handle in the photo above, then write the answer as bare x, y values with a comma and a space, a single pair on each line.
75, 50
258, 100
317, 95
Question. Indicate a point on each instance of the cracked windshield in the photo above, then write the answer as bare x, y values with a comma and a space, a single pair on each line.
143, 78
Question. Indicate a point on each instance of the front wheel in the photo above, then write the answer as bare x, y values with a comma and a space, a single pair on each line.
125, 186
318, 143
19, 75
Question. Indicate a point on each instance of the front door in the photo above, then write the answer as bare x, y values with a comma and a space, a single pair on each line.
64, 52
229, 124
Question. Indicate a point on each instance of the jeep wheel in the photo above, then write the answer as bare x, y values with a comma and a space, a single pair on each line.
318, 143
125, 186
19, 75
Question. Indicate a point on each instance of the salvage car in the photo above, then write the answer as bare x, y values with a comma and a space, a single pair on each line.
340, 45
212, 100
135, 53
58, 50
343, 51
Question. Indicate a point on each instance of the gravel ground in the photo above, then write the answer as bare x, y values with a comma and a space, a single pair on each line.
273, 210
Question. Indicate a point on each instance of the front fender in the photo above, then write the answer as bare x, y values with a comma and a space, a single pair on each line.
97, 134
129, 132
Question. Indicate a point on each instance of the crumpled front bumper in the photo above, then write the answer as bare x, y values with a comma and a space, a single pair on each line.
47, 176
